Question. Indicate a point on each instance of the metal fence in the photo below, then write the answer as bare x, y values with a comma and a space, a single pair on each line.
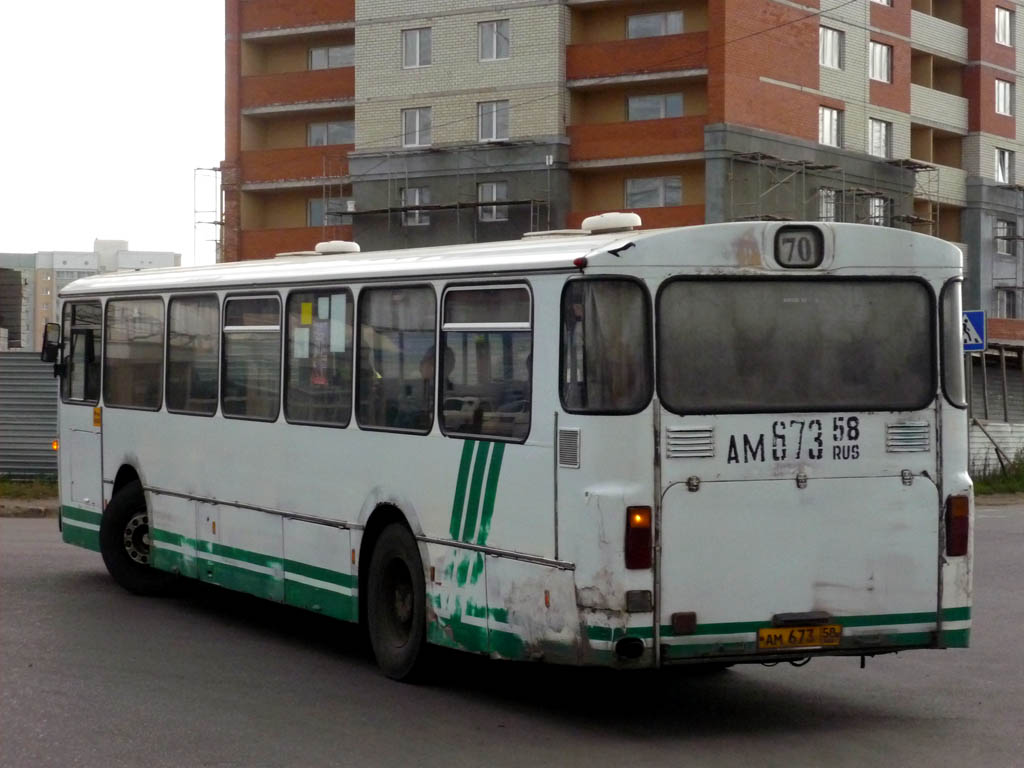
28, 415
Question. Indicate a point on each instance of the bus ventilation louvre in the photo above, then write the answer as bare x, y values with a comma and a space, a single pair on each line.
569, 448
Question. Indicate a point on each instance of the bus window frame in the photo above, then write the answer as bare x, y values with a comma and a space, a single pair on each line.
942, 346
357, 345
269, 293
319, 289
797, 275
649, 345
65, 385
498, 327
167, 349
163, 357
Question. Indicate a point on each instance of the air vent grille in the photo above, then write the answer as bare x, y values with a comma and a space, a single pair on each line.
907, 437
690, 442
569, 448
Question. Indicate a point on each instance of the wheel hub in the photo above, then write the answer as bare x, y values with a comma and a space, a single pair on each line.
136, 538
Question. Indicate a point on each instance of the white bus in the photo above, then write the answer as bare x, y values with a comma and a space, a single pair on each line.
719, 444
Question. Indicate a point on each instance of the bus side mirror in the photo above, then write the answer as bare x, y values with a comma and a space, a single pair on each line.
51, 343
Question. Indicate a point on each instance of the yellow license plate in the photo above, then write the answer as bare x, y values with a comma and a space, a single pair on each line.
775, 638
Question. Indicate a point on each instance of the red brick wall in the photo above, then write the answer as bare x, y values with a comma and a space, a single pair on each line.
895, 94
980, 90
276, 14
597, 141
651, 54
298, 87
751, 39
230, 179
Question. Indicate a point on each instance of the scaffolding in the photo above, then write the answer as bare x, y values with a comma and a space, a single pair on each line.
926, 208
779, 190
207, 216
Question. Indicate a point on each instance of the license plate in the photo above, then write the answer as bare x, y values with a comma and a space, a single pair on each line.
775, 638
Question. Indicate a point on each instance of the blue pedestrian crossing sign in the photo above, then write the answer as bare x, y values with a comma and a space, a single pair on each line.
974, 330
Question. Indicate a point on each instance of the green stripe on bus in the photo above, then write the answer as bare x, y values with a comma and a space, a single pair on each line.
81, 537
320, 574
81, 515
473, 505
345, 607
460, 488
493, 472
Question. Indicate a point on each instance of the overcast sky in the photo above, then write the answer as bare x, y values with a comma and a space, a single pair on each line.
108, 107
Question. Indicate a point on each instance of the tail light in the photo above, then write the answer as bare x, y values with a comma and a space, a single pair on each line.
958, 525
638, 537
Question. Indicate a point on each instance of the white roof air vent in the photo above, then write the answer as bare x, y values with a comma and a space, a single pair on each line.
337, 246
611, 222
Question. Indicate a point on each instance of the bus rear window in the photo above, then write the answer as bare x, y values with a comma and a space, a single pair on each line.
605, 346
742, 346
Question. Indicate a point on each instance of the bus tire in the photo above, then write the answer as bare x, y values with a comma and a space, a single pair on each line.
396, 604
125, 543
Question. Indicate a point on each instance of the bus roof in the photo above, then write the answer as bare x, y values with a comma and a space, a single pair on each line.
746, 245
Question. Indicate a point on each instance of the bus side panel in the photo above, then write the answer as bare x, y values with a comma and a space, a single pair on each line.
241, 549
457, 598
957, 572
532, 611
317, 569
172, 523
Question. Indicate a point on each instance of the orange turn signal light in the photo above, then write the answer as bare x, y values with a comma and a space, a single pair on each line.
638, 538
56, 445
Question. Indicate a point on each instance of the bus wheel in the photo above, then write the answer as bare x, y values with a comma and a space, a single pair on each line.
125, 543
396, 604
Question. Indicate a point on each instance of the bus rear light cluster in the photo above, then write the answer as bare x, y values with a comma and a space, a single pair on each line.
958, 525
638, 538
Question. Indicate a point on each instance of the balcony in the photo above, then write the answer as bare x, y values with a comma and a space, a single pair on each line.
653, 218
942, 110
293, 91
937, 36
635, 59
638, 138
265, 243
272, 15
267, 166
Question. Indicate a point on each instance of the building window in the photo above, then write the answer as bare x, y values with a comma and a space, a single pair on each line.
654, 106
416, 47
830, 48
879, 138
882, 2
331, 56
1004, 97
492, 120
492, 191
878, 208
830, 130
326, 212
1005, 236
333, 132
654, 24
657, 192
415, 196
826, 204
493, 40
1006, 303
880, 64
416, 127
1004, 166
1004, 26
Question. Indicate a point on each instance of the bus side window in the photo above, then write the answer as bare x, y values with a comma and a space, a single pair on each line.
318, 358
605, 346
193, 354
84, 335
133, 366
395, 383
488, 341
251, 387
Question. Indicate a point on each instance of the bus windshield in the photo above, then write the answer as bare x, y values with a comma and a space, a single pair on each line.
741, 345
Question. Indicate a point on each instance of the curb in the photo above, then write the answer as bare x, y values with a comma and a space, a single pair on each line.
28, 509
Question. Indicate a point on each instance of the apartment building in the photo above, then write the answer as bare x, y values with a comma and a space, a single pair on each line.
400, 124
30, 283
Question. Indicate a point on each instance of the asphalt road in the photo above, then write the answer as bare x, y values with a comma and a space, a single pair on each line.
93, 676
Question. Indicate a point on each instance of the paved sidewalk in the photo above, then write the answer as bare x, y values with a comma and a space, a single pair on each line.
29, 507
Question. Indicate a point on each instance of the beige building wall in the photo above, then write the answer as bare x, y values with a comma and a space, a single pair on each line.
531, 79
